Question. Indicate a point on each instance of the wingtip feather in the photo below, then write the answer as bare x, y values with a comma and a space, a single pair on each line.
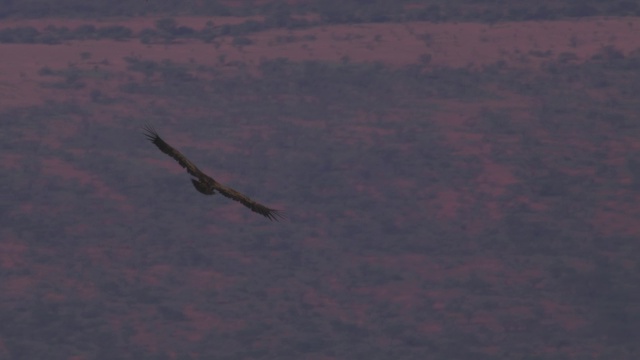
149, 131
275, 215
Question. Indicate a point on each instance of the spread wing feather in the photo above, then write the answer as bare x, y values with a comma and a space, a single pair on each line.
153, 136
272, 214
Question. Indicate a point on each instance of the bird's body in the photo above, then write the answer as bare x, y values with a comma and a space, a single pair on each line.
206, 184
203, 187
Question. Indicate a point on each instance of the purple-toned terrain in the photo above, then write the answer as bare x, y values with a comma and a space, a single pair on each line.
452, 191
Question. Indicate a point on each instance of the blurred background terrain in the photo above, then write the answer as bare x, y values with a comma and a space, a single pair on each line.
461, 180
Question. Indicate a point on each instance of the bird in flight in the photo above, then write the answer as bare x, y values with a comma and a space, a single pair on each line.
203, 182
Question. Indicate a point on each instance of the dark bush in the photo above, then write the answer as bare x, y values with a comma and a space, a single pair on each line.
148, 36
26, 34
146, 67
184, 31
49, 39
46, 71
167, 25
241, 41
580, 10
247, 27
116, 32
85, 32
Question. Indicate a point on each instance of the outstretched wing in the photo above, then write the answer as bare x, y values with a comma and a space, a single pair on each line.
153, 136
271, 214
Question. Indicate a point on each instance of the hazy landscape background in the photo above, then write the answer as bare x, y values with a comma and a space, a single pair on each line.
461, 181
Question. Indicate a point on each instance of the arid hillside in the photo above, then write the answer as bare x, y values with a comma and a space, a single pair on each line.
453, 190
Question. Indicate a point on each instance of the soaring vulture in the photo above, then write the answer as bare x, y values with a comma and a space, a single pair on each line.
204, 183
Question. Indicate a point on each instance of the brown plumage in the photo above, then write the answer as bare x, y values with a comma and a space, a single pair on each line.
204, 183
